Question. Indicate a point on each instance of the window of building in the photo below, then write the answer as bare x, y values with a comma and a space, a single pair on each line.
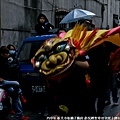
59, 15
115, 20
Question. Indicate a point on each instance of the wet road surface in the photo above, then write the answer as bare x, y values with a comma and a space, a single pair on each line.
110, 110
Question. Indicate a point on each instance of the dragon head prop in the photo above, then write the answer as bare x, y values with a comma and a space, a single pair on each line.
57, 55
54, 57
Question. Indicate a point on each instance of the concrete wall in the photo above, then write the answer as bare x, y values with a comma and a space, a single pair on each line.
110, 7
18, 17
17, 20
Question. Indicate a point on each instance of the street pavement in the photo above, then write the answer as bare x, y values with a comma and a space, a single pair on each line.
109, 111
112, 110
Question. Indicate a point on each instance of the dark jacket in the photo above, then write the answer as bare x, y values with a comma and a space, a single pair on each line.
43, 28
4, 68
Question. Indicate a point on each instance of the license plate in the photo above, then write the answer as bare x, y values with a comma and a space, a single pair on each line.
1, 106
38, 89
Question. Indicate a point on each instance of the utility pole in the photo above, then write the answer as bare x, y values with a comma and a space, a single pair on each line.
85, 5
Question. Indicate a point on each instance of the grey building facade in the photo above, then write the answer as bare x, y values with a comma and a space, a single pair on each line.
18, 17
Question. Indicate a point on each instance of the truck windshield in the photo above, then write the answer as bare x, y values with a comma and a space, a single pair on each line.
28, 50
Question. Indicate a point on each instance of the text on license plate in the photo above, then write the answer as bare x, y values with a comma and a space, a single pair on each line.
36, 89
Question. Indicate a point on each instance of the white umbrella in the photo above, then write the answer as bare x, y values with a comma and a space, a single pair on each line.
76, 15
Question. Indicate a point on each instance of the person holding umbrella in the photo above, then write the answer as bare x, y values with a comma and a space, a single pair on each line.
76, 15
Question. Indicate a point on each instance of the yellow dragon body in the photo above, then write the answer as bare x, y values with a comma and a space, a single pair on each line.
56, 55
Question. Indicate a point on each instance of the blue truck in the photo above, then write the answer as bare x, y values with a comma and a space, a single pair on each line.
31, 81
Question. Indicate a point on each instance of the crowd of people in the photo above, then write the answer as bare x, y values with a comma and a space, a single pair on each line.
80, 99
7, 80
102, 80
9, 67
83, 99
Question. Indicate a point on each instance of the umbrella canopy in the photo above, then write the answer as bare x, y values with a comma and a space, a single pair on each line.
76, 15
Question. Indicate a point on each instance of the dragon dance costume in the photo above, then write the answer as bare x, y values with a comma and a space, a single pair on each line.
56, 61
